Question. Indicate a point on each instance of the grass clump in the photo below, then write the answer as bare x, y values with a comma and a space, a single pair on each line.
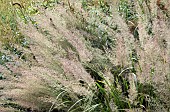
114, 95
106, 95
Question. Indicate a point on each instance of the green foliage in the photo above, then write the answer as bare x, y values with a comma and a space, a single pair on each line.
65, 99
104, 96
120, 76
32, 10
4, 58
134, 59
65, 44
147, 89
8, 24
14, 50
21, 40
147, 97
126, 10
100, 63
97, 25
105, 7
49, 3
149, 29
101, 39
9, 31
146, 94
101, 4
84, 4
